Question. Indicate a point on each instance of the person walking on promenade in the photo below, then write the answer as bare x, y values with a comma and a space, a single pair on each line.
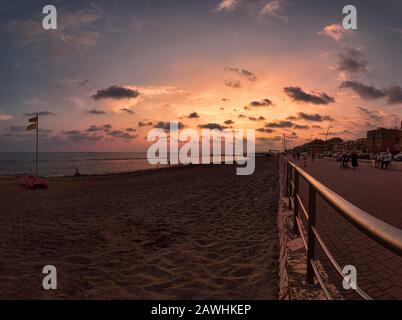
376, 160
344, 161
386, 160
355, 162
305, 159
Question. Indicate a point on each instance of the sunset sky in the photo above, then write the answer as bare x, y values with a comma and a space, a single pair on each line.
115, 69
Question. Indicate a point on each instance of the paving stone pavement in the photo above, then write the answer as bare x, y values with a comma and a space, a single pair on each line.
378, 192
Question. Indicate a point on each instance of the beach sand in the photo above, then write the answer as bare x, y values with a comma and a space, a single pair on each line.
193, 232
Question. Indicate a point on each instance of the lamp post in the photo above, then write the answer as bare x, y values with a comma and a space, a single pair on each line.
326, 137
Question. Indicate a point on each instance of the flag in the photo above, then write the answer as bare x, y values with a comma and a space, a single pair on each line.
32, 126
34, 119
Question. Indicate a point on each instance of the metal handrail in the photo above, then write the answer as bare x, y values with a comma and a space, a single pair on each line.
383, 233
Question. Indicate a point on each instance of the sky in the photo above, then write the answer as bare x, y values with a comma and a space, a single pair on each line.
113, 70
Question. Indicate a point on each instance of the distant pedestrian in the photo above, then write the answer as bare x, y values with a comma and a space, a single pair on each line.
386, 159
376, 160
344, 161
77, 172
305, 159
355, 162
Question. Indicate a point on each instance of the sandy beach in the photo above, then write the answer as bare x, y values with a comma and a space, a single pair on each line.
194, 232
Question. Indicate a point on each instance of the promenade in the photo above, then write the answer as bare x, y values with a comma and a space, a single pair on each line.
379, 192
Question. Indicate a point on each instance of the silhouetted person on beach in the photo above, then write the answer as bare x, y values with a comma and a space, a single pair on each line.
77, 172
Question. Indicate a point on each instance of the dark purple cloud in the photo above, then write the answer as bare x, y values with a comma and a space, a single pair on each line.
212, 126
193, 115
298, 95
236, 84
165, 125
280, 124
96, 112
116, 92
352, 61
364, 91
316, 117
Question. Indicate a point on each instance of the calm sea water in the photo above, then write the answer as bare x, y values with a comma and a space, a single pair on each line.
54, 164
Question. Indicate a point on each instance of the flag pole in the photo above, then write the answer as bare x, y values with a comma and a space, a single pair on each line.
37, 144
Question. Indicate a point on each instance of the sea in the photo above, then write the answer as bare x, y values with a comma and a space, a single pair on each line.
58, 164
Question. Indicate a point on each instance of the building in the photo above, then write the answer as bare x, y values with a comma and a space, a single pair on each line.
335, 145
382, 139
362, 145
319, 146
359, 145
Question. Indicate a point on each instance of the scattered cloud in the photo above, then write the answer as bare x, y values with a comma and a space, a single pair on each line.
165, 125
144, 124
316, 117
352, 61
301, 126
96, 112
118, 134
193, 115
335, 31
116, 92
5, 117
364, 91
275, 8
261, 118
251, 76
374, 115
298, 95
17, 131
280, 124
227, 5
128, 110
94, 128
41, 114
261, 103
265, 130
236, 84
82, 137
75, 31
211, 126
394, 94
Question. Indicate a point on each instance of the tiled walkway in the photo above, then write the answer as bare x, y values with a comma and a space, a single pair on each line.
378, 192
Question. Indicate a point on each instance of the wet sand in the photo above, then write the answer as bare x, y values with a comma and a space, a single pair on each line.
194, 232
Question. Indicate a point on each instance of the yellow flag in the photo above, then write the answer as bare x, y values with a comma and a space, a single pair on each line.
32, 126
